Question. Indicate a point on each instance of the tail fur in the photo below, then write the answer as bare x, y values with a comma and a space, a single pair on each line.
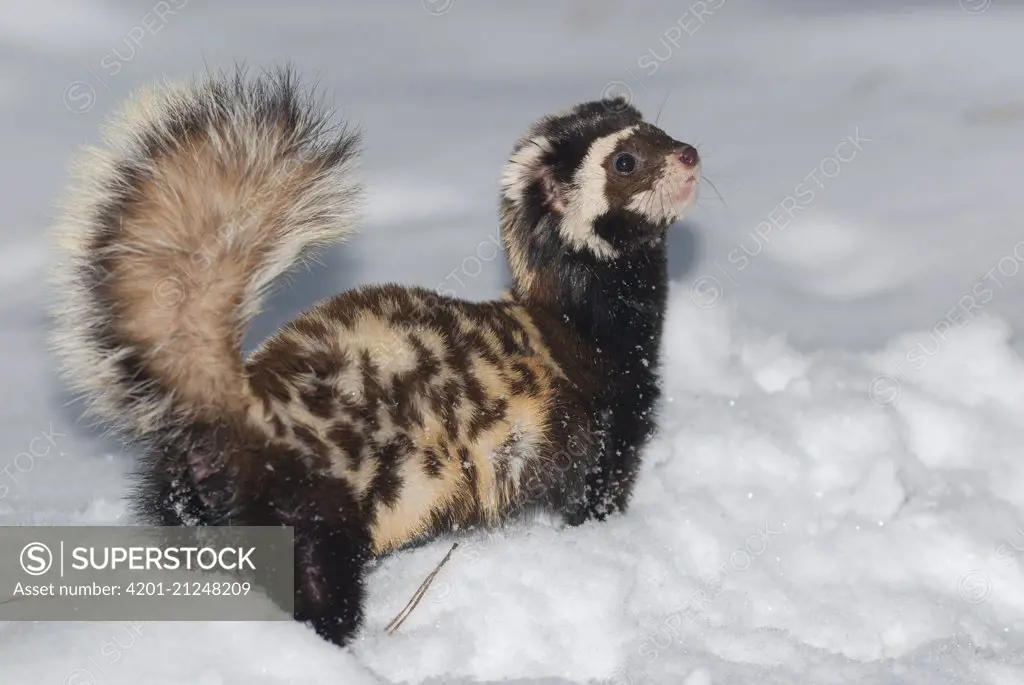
203, 196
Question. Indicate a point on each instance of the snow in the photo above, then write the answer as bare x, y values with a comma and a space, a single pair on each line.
836, 492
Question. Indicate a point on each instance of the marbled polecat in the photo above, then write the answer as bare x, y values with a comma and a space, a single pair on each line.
384, 415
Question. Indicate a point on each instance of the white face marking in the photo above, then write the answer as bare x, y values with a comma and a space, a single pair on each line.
522, 168
586, 200
671, 195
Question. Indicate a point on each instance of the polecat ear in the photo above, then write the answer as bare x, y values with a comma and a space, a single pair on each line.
617, 104
554, 193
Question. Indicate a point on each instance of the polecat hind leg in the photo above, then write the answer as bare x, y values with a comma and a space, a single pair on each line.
237, 478
330, 562
332, 538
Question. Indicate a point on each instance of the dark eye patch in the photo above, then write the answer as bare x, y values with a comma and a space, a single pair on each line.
647, 161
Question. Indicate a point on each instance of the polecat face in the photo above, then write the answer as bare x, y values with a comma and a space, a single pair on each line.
596, 179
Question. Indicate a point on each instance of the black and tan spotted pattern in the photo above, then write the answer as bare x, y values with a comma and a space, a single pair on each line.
436, 411
385, 415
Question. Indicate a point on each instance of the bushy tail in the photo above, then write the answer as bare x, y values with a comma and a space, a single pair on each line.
202, 196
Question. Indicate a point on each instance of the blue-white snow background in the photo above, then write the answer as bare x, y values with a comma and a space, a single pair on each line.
837, 491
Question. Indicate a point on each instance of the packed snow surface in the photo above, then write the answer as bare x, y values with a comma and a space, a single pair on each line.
836, 492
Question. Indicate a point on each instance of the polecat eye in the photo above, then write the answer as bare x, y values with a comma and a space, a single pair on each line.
624, 163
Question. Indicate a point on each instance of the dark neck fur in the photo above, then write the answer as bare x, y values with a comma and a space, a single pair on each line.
618, 305
616, 310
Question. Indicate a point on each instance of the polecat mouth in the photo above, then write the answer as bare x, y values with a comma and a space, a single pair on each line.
678, 190
680, 195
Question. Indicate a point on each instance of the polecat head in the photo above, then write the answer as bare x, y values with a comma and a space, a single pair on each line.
595, 183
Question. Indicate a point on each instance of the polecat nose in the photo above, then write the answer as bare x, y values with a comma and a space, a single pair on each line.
688, 155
